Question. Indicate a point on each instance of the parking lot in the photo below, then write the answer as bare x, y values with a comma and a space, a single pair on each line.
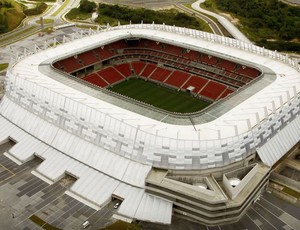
25, 196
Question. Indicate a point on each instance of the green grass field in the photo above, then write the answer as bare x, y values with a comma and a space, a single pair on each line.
159, 96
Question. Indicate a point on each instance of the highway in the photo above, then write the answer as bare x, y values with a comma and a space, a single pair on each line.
212, 24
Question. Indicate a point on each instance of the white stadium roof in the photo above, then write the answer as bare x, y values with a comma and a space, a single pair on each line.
112, 149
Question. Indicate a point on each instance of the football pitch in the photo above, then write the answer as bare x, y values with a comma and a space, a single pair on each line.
159, 96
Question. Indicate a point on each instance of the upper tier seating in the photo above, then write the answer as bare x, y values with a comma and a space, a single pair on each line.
103, 53
208, 59
118, 45
248, 71
227, 65
88, 58
70, 64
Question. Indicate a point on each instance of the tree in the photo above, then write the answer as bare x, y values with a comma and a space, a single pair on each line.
87, 6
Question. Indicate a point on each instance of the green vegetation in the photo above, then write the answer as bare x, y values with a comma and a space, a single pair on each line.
159, 96
11, 15
114, 13
46, 21
38, 9
66, 2
44, 0
87, 6
84, 11
291, 192
76, 14
268, 23
3, 66
42, 223
121, 225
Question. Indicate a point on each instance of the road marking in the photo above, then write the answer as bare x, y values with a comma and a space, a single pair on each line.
252, 220
7, 169
263, 218
274, 215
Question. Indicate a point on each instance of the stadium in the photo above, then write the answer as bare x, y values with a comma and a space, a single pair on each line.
206, 163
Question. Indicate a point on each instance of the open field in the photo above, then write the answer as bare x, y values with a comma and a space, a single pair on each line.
159, 96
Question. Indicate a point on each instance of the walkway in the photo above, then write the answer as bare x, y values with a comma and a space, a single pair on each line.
225, 22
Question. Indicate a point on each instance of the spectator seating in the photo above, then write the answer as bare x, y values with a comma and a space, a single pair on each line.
177, 78
103, 53
213, 90
174, 50
88, 58
227, 65
124, 69
147, 71
208, 59
197, 82
111, 75
138, 66
248, 72
144, 59
121, 44
160, 74
70, 64
95, 79
226, 93
192, 55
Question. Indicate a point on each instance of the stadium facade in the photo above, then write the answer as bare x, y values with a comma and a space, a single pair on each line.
207, 166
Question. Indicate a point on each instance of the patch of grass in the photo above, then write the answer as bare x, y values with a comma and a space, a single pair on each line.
42, 223
291, 192
87, 27
46, 21
76, 14
121, 225
3, 66
44, 0
159, 96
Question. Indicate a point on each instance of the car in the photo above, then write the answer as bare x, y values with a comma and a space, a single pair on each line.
117, 205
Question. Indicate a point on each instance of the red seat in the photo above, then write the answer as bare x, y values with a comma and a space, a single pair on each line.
226, 92
197, 82
95, 79
124, 69
213, 90
160, 74
148, 70
88, 58
177, 78
138, 66
111, 75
